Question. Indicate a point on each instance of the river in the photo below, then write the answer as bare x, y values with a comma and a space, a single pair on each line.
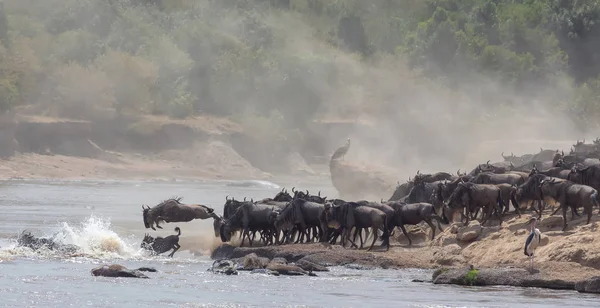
104, 218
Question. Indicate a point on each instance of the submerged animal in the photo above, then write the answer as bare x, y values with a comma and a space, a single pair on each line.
116, 270
160, 245
26, 239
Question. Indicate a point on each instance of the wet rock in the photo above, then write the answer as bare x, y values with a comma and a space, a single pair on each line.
509, 276
591, 285
227, 267
288, 269
264, 271
252, 262
311, 266
318, 253
116, 270
469, 233
279, 261
358, 267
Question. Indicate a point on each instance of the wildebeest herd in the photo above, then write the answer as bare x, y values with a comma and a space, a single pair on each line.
528, 182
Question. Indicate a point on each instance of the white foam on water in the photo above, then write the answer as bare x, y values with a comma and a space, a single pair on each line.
96, 240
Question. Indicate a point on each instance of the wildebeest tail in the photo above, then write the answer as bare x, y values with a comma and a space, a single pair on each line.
500, 202
594, 198
178, 231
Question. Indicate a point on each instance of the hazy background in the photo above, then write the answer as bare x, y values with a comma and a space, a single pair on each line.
416, 84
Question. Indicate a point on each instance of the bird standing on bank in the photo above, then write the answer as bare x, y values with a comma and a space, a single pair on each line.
533, 240
341, 151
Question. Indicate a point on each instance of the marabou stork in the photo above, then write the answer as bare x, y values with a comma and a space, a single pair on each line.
341, 151
533, 240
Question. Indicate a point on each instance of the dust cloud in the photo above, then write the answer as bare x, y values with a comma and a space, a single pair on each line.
274, 72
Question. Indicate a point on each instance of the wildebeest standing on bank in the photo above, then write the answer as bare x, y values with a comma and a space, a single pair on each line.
572, 195
413, 214
249, 217
350, 214
172, 210
471, 197
589, 176
158, 245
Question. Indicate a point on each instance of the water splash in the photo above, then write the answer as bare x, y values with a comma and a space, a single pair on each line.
94, 236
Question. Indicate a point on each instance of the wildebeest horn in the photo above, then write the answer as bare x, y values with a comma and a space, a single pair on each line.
227, 198
252, 200
283, 188
293, 189
541, 150
502, 154
319, 194
488, 162
307, 192
418, 171
244, 199
562, 153
458, 172
511, 154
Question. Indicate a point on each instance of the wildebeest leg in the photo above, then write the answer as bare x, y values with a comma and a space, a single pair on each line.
356, 232
556, 211
430, 223
564, 208
405, 234
374, 228
175, 248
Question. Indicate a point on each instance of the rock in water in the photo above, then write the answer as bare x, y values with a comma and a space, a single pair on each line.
591, 285
226, 267
116, 270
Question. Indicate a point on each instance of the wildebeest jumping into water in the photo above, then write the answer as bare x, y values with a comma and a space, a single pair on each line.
172, 210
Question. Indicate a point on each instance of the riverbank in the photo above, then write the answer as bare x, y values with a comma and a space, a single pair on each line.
563, 258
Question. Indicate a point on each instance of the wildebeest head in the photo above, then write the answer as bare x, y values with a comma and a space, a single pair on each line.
557, 157
217, 222
147, 241
283, 196
510, 158
145, 211
575, 174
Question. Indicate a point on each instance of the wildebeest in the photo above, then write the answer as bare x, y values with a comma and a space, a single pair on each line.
508, 193
570, 195
471, 197
351, 214
303, 214
589, 176
402, 190
26, 239
413, 214
172, 210
493, 178
158, 245
248, 217
529, 192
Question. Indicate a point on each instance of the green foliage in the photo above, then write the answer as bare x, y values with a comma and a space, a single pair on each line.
181, 57
471, 277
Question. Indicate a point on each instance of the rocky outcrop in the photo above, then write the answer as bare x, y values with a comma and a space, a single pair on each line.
507, 276
591, 285
310, 257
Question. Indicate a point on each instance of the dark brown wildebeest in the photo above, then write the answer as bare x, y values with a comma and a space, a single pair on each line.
304, 215
570, 195
172, 210
472, 197
493, 178
389, 212
248, 218
350, 214
529, 192
402, 190
508, 193
589, 176
555, 172
413, 214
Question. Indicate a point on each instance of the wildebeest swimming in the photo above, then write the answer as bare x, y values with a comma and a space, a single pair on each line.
486, 193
